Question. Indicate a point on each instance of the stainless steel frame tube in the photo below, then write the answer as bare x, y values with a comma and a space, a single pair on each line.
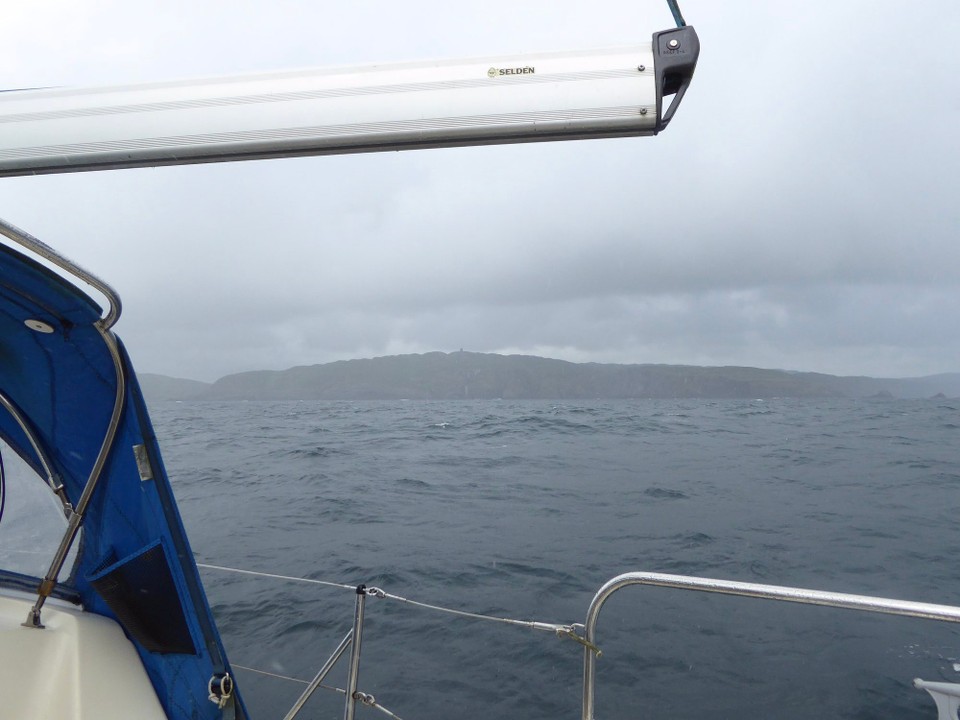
866, 603
353, 671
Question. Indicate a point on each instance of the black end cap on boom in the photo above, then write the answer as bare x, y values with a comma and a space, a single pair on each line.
675, 54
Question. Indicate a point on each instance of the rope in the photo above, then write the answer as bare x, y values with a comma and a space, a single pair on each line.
675, 9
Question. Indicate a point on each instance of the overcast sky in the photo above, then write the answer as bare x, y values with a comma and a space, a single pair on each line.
802, 211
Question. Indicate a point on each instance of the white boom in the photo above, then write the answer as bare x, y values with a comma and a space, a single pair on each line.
557, 96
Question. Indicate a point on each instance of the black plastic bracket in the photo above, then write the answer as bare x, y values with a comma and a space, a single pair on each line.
675, 54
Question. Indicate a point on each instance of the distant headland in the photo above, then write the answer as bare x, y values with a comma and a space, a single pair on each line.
468, 375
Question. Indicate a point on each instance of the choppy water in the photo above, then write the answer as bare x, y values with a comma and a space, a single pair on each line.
524, 509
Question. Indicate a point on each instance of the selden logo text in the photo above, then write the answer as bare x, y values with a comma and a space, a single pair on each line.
493, 72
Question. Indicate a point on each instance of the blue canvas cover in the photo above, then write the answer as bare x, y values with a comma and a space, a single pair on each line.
133, 542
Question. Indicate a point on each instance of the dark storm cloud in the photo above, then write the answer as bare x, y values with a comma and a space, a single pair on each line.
800, 212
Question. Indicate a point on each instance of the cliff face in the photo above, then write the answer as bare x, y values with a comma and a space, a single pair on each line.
464, 375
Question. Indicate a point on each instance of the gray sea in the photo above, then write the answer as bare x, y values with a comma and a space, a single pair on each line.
523, 509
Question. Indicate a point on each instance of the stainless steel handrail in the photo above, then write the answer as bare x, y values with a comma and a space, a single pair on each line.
866, 603
353, 670
102, 326
49, 581
43, 250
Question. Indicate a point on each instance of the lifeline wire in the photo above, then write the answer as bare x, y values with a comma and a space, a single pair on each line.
374, 704
568, 631
276, 577
675, 9
364, 698
559, 630
281, 677
533, 625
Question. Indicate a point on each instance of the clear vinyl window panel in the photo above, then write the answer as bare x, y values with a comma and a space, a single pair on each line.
32, 521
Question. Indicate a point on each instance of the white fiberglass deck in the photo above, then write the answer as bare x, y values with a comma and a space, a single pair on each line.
79, 667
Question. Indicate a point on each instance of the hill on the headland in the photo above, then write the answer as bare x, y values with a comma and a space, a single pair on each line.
467, 375
161, 387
